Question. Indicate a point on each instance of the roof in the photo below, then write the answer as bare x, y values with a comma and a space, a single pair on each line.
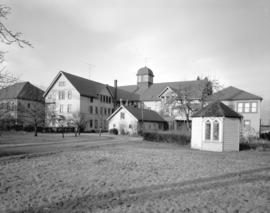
91, 88
233, 94
217, 109
22, 90
152, 93
145, 71
84, 86
141, 115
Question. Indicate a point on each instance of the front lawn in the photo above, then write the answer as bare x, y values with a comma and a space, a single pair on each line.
137, 177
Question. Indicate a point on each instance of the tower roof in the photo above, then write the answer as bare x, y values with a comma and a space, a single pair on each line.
145, 71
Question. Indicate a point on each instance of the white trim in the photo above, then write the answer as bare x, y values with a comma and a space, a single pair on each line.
117, 110
167, 88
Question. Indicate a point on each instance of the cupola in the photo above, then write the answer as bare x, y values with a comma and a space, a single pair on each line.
145, 77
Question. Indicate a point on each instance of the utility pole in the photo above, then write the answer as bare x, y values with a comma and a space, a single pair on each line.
90, 68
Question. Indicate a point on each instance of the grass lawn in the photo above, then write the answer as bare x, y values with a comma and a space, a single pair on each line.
136, 177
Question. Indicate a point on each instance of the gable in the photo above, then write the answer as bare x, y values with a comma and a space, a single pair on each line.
59, 83
167, 92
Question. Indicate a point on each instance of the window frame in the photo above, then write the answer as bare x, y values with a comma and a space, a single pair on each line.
207, 122
218, 130
69, 94
247, 107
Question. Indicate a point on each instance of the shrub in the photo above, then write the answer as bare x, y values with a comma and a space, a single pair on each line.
169, 137
265, 136
254, 144
113, 131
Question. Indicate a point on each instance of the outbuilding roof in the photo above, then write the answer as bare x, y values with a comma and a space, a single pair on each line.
217, 109
22, 90
141, 115
232, 93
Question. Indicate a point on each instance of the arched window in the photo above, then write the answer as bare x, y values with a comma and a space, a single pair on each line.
207, 130
216, 130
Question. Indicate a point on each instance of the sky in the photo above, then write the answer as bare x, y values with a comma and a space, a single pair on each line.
228, 41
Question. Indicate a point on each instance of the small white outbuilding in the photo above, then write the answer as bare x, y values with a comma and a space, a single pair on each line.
216, 127
130, 120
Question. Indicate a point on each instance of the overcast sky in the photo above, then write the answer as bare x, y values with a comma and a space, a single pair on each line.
225, 40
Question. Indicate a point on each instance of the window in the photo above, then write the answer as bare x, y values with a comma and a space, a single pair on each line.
28, 105
91, 123
247, 107
207, 130
100, 98
69, 94
101, 110
62, 83
253, 107
61, 108
96, 110
91, 109
122, 115
247, 123
109, 99
61, 95
240, 107
91, 99
216, 130
105, 124
109, 111
105, 111
69, 108
96, 124
130, 126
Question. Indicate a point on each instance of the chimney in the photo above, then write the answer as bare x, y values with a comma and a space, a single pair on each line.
115, 93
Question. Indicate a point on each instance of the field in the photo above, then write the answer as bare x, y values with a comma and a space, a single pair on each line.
135, 176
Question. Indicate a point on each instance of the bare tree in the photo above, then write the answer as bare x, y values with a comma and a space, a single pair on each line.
52, 117
79, 121
8, 37
33, 116
187, 99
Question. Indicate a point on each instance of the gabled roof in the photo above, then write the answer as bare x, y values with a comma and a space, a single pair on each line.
22, 90
152, 93
233, 94
217, 109
91, 88
140, 115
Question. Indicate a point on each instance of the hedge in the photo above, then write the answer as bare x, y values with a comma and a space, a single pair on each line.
168, 137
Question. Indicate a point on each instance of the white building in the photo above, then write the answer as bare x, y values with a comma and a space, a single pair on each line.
18, 101
216, 127
130, 120
246, 104
69, 95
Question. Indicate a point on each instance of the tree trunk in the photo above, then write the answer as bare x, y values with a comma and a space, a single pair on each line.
35, 130
63, 134
99, 132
